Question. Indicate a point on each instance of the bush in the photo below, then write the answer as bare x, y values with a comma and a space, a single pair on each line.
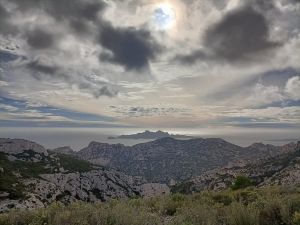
296, 218
222, 198
241, 182
239, 214
271, 214
198, 215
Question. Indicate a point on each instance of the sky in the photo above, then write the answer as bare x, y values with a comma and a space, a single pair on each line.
222, 65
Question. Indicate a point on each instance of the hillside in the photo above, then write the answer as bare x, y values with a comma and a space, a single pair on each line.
282, 169
167, 159
32, 177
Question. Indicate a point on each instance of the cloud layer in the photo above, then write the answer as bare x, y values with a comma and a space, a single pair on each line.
221, 63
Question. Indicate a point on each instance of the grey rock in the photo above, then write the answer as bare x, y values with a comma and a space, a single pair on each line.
16, 146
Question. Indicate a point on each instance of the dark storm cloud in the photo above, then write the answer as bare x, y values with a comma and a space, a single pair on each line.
40, 39
5, 26
262, 4
239, 36
129, 47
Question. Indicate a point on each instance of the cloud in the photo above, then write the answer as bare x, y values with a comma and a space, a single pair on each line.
64, 9
77, 14
265, 95
5, 26
105, 91
129, 47
80, 54
39, 69
141, 111
292, 87
241, 35
40, 39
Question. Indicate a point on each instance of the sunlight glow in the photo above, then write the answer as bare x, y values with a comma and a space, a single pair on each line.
164, 16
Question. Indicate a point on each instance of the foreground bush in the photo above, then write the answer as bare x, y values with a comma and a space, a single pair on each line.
250, 206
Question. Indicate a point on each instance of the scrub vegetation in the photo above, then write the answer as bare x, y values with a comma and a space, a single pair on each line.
245, 206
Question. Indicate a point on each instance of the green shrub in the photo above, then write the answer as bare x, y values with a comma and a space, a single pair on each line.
241, 182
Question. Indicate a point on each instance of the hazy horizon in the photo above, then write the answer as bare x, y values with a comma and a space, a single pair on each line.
80, 138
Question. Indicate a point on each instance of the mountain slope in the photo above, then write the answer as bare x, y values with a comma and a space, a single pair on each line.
283, 169
168, 159
31, 179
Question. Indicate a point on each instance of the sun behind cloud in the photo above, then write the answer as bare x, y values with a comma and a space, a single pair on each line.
164, 16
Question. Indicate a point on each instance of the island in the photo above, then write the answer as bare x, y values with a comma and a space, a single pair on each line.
151, 135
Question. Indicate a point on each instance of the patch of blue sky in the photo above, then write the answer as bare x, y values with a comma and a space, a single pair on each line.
21, 105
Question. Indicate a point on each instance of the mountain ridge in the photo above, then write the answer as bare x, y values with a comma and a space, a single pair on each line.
168, 159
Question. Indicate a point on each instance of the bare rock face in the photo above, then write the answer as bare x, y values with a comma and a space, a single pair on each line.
97, 185
93, 186
17, 146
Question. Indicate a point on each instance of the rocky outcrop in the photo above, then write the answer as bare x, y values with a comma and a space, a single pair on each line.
17, 146
93, 186
64, 150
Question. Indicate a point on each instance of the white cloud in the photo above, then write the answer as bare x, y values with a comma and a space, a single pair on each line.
264, 95
292, 88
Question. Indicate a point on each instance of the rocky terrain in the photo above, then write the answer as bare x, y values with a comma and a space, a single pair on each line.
169, 160
32, 177
283, 169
